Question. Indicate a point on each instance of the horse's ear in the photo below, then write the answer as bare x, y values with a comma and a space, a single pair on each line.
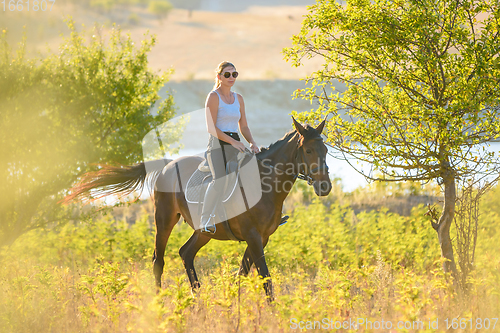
298, 127
321, 126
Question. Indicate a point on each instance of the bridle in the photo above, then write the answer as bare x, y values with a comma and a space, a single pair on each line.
301, 174
306, 174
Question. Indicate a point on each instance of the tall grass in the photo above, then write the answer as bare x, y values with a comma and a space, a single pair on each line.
328, 265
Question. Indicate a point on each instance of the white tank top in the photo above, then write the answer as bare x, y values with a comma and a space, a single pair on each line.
228, 115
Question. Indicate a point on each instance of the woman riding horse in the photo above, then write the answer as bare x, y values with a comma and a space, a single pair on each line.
225, 112
301, 153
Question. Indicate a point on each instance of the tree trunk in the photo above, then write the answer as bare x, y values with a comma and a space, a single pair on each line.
444, 224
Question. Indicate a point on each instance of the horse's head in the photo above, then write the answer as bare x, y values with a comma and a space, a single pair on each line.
312, 157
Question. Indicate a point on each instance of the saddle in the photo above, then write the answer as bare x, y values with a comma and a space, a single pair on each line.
199, 180
233, 196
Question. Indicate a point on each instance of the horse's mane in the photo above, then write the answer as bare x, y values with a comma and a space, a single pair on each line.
309, 133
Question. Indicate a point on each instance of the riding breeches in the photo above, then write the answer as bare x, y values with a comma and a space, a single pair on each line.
218, 154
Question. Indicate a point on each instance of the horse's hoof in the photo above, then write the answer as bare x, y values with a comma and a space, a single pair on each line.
195, 287
270, 300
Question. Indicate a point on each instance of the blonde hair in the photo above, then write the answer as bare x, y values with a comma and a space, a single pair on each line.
219, 70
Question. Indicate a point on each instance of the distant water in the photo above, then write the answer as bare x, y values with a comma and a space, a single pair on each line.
236, 6
268, 106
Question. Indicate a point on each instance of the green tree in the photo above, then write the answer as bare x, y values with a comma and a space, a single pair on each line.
189, 5
87, 103
160, 8
421, 86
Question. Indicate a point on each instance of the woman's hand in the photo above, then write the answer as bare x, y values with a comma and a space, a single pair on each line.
254, 148
238, 145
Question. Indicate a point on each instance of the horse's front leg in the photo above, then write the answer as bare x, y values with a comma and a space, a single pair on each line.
246, 263
256, 249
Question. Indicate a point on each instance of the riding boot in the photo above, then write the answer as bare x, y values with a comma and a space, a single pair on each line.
207, 224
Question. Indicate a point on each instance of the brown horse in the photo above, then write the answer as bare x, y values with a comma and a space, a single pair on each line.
301, 153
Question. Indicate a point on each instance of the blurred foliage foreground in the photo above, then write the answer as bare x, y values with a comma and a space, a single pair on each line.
90, 102
328, 264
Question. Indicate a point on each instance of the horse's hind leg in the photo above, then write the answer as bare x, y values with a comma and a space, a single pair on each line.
165, 219
188, 252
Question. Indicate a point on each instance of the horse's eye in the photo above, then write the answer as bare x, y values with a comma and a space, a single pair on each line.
308, 151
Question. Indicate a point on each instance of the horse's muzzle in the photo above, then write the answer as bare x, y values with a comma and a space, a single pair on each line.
322, 187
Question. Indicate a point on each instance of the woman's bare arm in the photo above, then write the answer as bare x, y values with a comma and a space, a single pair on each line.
244, 129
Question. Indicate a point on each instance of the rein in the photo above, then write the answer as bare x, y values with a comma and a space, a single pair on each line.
299, 175
304, 175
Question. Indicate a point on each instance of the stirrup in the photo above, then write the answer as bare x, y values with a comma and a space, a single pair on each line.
209, 228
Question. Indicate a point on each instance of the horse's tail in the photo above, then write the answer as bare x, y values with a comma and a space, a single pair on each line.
121, 180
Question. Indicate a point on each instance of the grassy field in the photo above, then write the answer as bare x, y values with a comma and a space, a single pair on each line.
328, 264
364, 257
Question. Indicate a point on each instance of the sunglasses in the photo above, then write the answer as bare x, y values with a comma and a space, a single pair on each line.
227, 75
